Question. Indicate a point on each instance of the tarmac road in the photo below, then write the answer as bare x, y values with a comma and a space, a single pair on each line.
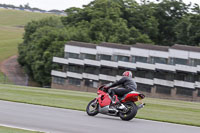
55, 120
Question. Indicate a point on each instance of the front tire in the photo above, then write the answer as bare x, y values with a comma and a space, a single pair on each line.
130, 113
92, 108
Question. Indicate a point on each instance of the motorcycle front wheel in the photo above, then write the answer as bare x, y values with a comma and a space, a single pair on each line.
130, 113
92, 108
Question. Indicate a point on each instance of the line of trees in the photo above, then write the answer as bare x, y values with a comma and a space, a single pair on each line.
21, 7
118, 21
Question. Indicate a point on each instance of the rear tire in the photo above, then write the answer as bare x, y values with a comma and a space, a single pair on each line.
131, 113
92, 108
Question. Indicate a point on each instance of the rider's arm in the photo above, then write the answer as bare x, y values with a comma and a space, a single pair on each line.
121, 81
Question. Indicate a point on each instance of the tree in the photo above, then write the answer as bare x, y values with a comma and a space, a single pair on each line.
188, 30
169, 13
42, 40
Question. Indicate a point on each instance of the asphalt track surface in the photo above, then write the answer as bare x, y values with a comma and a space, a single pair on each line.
55, 120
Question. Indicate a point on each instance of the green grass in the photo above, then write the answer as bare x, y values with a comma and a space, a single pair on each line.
19, 18
11, 29
10, 37
181, 112
14, 130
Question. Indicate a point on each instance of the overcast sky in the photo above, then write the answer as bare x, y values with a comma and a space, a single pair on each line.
60, 4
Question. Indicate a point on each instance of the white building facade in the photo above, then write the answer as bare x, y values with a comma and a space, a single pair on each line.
163, 72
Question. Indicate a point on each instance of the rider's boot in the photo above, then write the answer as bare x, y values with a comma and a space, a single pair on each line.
115, 101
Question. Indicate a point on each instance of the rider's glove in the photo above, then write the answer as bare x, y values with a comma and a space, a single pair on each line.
105, 88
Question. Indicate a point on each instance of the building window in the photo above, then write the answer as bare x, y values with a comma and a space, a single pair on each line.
72, 55
121, 58
194, 62
66, 56
158, 60
144, 88
105, 57
58, 80
139, 59
174, 61
188, 77
91, 83
144, 74
91, 69
184, 91
197, 78
108, 71
164, 75
75, 68
89, 56
163, 89
74, 81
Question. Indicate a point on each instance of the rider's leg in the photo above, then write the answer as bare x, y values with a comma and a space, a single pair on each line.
113, 95
121, 92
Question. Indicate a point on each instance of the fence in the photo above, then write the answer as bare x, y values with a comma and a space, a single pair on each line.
14, 79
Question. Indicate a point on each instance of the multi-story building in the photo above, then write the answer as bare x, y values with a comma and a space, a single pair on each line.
159, 71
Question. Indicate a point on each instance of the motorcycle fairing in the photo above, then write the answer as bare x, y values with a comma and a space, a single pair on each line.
103, 98
131, 96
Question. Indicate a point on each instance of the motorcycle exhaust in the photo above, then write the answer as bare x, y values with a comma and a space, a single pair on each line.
140, 106
103, 110
108, 110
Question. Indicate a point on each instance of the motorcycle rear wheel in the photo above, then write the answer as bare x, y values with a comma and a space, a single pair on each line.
130, 113
92, 108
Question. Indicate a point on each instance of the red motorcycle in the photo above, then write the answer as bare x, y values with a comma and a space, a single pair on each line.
126, 109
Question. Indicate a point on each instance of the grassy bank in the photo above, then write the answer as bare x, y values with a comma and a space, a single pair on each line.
14, 130
181, 112
11, 29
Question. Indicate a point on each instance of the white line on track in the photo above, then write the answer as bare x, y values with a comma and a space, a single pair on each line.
22, 128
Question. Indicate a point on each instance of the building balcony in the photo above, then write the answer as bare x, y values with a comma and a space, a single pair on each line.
109, 63
185, 68
119, 77
90, 76
58, 73
74, 75
145, 66
88, 51
160, 54
104, 50
198, 68
107, 77
165, 67
143, 81
72, 49
197, 84
184, 84
127, 64
139, 52
76, 61
60, 60
92, 62
164, 82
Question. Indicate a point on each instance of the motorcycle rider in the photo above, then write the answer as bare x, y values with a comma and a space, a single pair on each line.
127, 85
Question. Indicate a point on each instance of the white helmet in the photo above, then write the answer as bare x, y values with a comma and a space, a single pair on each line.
127, 74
